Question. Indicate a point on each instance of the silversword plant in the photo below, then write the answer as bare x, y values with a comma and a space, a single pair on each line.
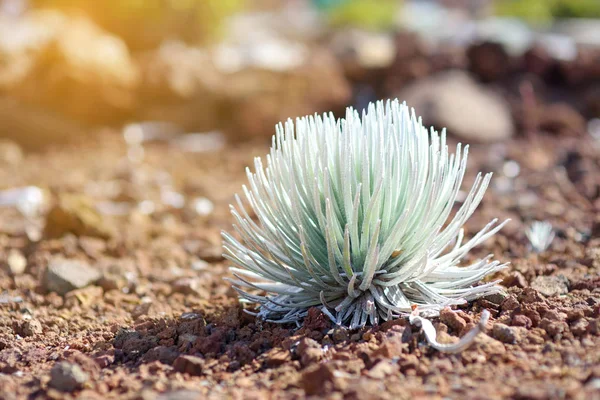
353, 216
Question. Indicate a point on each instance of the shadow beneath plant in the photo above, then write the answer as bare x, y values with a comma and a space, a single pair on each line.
222, 338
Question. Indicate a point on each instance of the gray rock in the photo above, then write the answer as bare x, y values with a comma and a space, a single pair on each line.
64, 275
454, 100
67, 377
504, 333
31, 328
551, 285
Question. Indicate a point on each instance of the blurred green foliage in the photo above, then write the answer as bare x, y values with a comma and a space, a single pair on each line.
145, 23
367, 14
542, 11
534, 11
577, 9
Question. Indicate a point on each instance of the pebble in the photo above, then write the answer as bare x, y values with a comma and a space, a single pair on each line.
522, 320
64, 275
551, 285
504, 333
31, 328
579, 327
309, 351
67, 377
277, 357
553, 328
190, 365
315, 377
190, 286
453, 320
382, 369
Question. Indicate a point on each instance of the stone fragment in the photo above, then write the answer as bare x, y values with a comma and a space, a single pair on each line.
67, 377
190, 365
64, 275
504, 333
551, 285
453, 320
31, 327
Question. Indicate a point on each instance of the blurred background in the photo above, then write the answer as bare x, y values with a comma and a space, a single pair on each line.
486, 69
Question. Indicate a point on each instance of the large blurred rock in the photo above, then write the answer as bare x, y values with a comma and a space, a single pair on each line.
61, 73
467, 109
180, 85
244, 89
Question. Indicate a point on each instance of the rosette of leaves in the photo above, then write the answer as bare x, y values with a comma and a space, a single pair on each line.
357, 216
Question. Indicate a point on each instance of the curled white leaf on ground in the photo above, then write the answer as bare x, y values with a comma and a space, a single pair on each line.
464, 342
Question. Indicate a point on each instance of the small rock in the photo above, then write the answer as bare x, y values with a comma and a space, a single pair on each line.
104, 360
316, 320
515, 279
185, 341
453, 320
190, 365
17, 263
316, 377
554, 315
75, 214
67, 377
164, 354
510, 303
579, 327
31, 328
575, 314
189, 286
496, 298
594, 326
277, 357
382, 369
391, 347
140, 310
111, 281
488, 60
553, 328
522, 320
551, 285
530, 296
340, 334
64, 275
490, 345
504, 333
455, 101
309, 351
